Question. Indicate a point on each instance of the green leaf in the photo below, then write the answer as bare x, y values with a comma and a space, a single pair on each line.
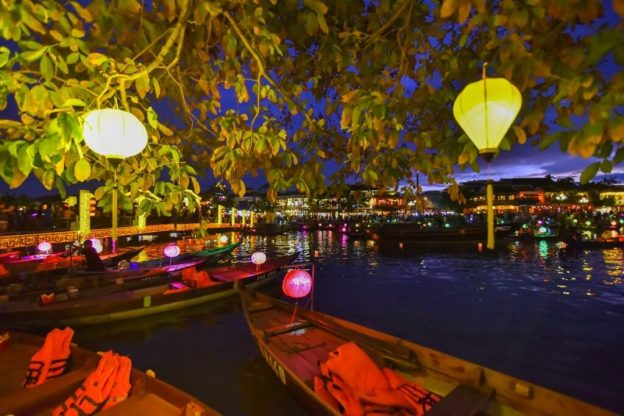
32, 56
589, 172
322, 23
619, 156
46, 68
25, 159
142, 85
82, 170
74, 102
152, 118
316, 5
606, 166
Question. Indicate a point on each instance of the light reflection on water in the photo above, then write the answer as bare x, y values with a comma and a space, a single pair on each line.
524, 310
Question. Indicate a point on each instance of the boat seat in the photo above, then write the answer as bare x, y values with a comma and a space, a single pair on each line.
462, 401
283, 329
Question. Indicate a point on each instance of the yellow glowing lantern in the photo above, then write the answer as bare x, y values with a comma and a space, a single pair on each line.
485, 111
114, 133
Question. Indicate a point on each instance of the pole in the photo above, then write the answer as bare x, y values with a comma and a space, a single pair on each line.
114, 226
489, 195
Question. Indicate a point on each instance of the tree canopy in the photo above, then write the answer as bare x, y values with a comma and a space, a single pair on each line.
282, 88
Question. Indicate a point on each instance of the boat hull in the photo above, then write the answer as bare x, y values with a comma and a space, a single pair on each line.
414, 233
312, 336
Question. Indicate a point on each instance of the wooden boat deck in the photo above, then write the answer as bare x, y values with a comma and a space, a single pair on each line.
300, 345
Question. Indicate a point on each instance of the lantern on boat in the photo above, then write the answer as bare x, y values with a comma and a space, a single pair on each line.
44, 247
485, 110
223, 239
297, 283
97, 245
258, 258
172, 250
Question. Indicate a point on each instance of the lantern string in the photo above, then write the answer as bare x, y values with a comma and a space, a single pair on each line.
292, 318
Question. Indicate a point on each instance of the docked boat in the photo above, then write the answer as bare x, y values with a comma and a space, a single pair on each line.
208, 254
147, 396
61, 264
306, 348
98, 283
416, 232
84, 309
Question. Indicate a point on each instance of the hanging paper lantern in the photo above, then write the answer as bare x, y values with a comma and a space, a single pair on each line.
172, 250
258, 258
97, 245
485, 110
297, 283
223, 239
113, 133
44, 247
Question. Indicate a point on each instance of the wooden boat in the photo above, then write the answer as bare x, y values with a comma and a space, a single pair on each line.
598, 242
415, 232
209, 254
38, 263
86, 310
61, 265
98, 283
148, 395
9, 255
293, 349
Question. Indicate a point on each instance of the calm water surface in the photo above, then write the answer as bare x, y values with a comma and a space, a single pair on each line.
524, 310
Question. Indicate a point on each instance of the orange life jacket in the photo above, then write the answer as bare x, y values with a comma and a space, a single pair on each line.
121, 383
359, 387
194, 278
50, 361
94, 391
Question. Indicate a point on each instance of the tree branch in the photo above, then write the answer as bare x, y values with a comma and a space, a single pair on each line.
262, 69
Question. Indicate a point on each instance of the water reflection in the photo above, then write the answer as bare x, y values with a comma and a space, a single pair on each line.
524, 309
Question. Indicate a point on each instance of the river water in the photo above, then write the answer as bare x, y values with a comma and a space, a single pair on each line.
523, 309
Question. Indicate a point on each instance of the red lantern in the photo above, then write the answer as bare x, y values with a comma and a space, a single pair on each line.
297, 283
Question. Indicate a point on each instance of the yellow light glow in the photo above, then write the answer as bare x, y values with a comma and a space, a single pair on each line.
485, 110
114, 133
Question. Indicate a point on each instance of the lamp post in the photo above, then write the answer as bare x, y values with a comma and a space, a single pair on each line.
116, 135
485, 110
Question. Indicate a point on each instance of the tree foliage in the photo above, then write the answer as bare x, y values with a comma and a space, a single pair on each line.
283, 88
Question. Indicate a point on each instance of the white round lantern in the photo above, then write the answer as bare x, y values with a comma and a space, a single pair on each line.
223, 239
97, 245
172, 250
258, 258
113, 133
44, 247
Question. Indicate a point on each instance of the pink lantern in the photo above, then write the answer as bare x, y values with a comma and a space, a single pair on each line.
258, 258
172, 250
97, 245
297, 283
44, 247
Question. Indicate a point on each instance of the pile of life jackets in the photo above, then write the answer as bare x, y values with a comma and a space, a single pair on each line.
353, 384
193, 278
108, 385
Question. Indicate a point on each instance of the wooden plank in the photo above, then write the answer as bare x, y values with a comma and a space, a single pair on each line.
462, 401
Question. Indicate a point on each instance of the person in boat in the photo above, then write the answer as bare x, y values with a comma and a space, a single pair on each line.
92, 258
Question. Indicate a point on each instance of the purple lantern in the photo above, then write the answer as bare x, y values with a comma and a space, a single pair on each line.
44, 247
172, 250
